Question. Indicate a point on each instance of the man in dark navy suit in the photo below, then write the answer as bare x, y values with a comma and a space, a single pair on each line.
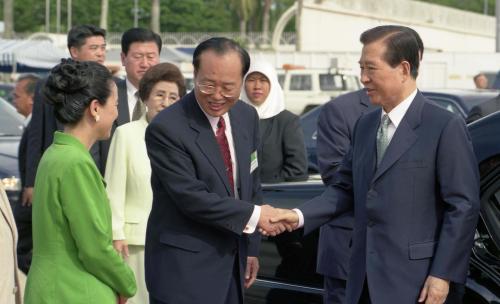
23, 101
200, 241
412, 180
335, 128
85, 43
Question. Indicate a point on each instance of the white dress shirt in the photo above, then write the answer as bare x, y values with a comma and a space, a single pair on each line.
254, 219
395, 117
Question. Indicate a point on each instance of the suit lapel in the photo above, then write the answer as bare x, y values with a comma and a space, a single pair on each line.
205, 139
367, 144
404, 137
123, 111
242, 155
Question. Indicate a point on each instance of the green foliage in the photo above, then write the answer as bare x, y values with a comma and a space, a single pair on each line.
195, 16
177, 15
476, 6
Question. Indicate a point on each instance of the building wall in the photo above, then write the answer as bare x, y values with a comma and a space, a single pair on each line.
335, 25
437, 70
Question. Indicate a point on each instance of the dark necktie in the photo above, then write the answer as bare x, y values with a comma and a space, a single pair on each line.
138, 109
224, 150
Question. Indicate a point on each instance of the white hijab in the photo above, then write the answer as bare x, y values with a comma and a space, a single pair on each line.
275, 101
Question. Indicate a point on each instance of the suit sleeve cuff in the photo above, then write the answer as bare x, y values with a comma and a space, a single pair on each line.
254, 220
301, 217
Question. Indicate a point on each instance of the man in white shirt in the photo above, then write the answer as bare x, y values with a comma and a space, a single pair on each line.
140, 50
411, 178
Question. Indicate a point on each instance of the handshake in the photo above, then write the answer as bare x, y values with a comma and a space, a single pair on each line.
274, 221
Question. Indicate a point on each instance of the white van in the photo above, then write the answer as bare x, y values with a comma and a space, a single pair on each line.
305, 89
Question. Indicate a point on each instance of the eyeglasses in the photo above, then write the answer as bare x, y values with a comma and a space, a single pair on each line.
210, 89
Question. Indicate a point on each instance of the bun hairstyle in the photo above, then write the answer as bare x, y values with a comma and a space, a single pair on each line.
72, 85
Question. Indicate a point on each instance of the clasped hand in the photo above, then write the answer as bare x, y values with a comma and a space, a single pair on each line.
274, 221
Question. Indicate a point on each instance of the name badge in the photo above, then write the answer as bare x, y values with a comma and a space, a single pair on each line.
254, 163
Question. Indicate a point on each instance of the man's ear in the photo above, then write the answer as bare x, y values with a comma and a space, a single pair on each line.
73, 51
123, 57
405, 69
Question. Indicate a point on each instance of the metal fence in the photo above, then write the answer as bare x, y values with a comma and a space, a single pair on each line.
252, 39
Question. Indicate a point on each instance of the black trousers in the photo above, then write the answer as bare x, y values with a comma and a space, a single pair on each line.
22, 216
234, 293
455, 295
365, 294
334, 290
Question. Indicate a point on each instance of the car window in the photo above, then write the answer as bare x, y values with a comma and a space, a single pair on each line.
352, 83
301, 83
281, 79
6, 92
446, 104
331, 82
11, 123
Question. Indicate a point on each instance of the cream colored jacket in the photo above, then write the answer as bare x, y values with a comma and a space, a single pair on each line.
10, 283
128, 174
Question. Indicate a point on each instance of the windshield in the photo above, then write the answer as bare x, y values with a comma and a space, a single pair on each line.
11, 123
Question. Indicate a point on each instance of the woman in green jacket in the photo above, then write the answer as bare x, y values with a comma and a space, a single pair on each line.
73, 256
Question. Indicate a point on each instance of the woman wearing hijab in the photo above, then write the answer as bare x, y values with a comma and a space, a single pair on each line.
128, 171
73, 256
282, 156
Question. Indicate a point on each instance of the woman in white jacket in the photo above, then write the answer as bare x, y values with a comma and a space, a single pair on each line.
128, 170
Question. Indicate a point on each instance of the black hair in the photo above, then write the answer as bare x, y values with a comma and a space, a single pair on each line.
401, 45
221, 46
31, 79
79, 33
138, 34
72, 85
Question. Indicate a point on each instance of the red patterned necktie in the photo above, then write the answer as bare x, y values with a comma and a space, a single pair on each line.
224, 150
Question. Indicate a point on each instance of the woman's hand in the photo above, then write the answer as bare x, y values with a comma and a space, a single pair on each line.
121, 247
122, 299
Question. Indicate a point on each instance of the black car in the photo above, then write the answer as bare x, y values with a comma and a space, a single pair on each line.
11, 128
6, 90
288, 261
453, 100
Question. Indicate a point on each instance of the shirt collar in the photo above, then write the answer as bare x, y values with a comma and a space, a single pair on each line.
397, 114
27, 120
131, 89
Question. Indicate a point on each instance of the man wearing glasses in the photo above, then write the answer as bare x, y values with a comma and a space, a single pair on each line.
201, 244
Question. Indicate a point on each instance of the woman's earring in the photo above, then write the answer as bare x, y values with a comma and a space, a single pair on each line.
97, 118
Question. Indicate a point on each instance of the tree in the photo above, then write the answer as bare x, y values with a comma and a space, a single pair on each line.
155, 16
104, 14
8, 18
245, 9
265, 18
